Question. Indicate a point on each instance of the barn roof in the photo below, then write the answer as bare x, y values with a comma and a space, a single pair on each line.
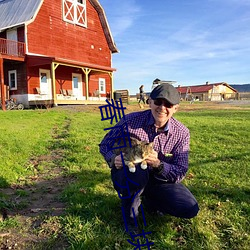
18, 12
105, 25
201, 88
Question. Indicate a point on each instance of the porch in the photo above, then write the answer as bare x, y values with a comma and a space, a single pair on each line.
50, 103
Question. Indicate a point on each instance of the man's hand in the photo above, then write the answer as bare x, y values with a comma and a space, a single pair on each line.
153, 160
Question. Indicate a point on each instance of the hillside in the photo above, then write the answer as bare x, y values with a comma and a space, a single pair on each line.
241, 87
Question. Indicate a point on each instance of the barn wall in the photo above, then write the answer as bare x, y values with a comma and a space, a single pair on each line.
20, 34
50, 35
94, 84
21, 77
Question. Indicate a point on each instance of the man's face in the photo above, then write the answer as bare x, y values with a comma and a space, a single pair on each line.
162, 110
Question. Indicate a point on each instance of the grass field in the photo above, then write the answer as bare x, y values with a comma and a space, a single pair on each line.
218, 176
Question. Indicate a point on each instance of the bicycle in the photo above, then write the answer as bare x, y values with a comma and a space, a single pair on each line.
12, 104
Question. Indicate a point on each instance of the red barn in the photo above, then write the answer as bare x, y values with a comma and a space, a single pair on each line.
56, 52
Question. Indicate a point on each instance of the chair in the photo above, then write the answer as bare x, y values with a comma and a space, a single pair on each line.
70, 92
63, 92
38, 91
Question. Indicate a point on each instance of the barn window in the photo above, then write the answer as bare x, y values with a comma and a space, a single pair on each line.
43, 77
74, 11
12, 80
102, 86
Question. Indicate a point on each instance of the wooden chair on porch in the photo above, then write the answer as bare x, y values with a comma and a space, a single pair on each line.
64, 93
70, 92
38, 92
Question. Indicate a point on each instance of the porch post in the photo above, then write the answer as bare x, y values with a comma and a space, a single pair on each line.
111, 85
53, 79
86, 72
2, 84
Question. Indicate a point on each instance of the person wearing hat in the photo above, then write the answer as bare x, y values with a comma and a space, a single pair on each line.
159, 187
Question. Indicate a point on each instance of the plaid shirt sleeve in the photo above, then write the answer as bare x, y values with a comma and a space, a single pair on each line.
105, 148
136, 120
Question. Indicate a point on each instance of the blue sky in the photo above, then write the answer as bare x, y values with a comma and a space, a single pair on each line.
188, 41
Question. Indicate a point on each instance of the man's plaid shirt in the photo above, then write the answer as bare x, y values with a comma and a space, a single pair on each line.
172, 144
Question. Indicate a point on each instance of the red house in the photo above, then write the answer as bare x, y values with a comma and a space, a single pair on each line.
56, 52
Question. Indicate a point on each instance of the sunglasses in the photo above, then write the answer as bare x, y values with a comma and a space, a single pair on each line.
159, 102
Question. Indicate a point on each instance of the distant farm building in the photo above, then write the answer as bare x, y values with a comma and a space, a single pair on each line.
208, 92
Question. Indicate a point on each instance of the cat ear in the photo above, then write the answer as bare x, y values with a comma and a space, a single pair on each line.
134, 141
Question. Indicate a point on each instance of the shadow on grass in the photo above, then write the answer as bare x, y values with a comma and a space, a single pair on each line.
95, 220
31, 212
227, 210
3, 182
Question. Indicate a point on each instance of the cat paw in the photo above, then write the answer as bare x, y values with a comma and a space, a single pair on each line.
132, 170
144, 166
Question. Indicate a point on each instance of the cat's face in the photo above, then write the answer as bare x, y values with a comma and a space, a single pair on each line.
145, 149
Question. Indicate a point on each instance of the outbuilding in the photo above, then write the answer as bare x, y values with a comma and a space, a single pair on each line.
207, 92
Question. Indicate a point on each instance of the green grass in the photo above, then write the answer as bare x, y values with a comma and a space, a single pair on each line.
218, 176
24, 135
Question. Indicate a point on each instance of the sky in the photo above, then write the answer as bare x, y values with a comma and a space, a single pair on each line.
187, 41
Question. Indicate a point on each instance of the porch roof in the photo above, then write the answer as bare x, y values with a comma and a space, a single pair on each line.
40, 60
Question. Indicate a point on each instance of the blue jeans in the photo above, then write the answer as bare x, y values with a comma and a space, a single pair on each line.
168, 198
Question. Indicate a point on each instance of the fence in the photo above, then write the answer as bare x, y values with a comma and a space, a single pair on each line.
123, 94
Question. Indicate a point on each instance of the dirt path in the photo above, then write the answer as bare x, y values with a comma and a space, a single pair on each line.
33, 205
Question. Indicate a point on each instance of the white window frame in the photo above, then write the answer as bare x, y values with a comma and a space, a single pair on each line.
75, 12
15, 76
102, 83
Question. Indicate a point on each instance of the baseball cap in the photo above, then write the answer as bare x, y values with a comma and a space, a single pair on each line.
166, 91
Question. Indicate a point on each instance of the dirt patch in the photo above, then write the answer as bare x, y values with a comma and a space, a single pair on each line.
33, 205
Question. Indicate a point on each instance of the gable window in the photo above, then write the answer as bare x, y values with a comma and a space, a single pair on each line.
102, 86
74, 11
12, 80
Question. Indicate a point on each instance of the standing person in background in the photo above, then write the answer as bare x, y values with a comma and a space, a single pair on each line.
142, 98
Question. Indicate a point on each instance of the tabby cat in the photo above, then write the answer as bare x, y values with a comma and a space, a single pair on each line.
137, 153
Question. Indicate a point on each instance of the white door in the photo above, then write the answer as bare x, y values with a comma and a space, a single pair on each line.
12, 48
45, 83
77, 85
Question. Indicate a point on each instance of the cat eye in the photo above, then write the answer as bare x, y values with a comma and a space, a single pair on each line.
159, 102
